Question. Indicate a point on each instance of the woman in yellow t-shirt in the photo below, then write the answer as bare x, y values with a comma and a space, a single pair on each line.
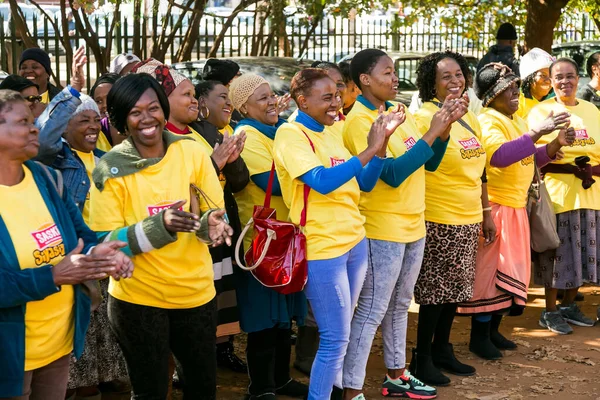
264, 314
395, 225
536, 86
142, 194
109, 136
503, 268
576, 201
455, 206
307, 152
46, 252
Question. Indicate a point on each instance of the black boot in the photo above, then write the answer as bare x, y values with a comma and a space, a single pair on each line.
307, 345
294, 389
260, 356
497, 338
444, 358
421, 367
226, 358
480, 343
337, 393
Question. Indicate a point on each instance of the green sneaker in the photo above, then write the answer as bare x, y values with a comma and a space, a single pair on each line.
359, 397
573, 315
407, 386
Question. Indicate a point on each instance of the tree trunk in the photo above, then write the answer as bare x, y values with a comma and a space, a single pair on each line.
165, 41
542, 16
20, 26
191, 36
219, 39
137, 27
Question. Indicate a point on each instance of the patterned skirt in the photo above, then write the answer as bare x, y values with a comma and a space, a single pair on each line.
577, 259
448, 271
101, 360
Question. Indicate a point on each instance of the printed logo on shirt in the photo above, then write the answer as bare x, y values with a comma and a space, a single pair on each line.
336, 161
163, 205
49, 243
470, 148
582, 138
410, 142
527, 161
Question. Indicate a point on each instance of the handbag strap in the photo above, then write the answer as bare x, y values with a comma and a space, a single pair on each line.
269, 192
306, 189
203, 194
460, 121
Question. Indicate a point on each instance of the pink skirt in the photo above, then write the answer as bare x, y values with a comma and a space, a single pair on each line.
503, 268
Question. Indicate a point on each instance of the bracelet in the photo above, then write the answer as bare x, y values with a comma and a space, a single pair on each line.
487, 209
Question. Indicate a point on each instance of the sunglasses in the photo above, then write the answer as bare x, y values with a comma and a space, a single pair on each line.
33, 99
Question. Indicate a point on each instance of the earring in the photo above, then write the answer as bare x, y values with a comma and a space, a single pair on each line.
202, 115
433, 93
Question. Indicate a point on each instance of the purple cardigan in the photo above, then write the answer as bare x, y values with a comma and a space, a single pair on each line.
518, 149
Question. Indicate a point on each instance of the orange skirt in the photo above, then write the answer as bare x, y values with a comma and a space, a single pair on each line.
503, 268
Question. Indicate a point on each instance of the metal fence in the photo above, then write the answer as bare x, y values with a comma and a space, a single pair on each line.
333, 38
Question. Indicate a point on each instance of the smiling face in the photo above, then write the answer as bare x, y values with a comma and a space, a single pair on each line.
564, 81
382, 82
449, 79
337, 77
145, 124
100, 95
35, 71
507, 102
262, 105
184, 105
18, 134
83, 130
322, 102
219, 106
542, 84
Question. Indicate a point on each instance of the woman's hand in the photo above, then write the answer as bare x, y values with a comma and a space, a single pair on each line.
377, 136
394, 119
240, 141
222, 151
565, 137
176, 220
283, 103
77, 74
551, 123
489, 228
112, 249
76, 267
219, 230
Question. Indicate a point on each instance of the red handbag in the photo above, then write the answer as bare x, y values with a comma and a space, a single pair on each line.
277, 255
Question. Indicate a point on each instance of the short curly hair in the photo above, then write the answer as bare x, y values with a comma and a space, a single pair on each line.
426, 72
304, 80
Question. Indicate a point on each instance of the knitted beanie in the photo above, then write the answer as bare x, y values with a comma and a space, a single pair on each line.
38, 55
220, 70
506, 31
87, 103
244, 87
533, 61
493, 79
121, 61
168, 78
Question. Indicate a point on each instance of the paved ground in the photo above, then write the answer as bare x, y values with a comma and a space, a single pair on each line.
545, 366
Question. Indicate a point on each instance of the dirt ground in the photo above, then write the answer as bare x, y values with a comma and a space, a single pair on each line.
545, 366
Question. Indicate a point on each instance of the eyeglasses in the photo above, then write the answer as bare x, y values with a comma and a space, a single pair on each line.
33, 99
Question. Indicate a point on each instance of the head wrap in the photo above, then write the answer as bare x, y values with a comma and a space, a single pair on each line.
168, 78
506, 31
243, 87
87, 103
220, 70
533, 61
17, 82
121, 61
493, 79
38, 55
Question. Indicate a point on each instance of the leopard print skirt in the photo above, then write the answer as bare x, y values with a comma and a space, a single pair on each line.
448, 271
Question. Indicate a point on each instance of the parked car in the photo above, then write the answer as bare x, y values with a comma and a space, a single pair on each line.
406, 70
279, 71
579, 51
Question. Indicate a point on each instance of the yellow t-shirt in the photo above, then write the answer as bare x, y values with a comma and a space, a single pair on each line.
45, 97
49, 323
227, 129
89, 160
337, 128
334, 224
258, 155
453, 191
525, 105
506, 186
103, 143
565, 189
180, 274
392, 214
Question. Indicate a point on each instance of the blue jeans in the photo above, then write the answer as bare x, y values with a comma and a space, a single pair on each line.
385, 298
332, 289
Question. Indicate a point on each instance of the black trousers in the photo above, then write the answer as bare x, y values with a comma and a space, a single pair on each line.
148, 335
268, 356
